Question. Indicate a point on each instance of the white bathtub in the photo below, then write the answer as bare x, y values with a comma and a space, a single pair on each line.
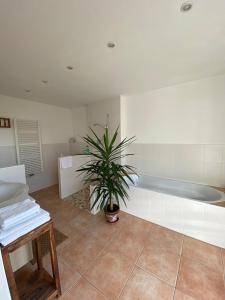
177, 188
180, 206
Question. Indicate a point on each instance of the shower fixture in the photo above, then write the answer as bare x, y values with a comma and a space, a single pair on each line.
72, 140
100, 125
106, 124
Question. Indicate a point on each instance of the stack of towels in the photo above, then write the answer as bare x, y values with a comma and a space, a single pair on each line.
20, 218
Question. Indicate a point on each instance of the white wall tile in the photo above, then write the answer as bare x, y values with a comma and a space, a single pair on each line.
223, 153
213, 153
213, 173
196, 163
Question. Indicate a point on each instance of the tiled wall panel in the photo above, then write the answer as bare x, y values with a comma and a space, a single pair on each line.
197, 163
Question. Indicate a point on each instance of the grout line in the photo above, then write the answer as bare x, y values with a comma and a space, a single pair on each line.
132, 270
100, 291
106, 248
223, 263
76, 283
84, 275
178, 268
154, 275
202, 263
69, 288
179, 262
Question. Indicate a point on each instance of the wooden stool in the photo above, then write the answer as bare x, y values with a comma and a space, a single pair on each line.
41, 284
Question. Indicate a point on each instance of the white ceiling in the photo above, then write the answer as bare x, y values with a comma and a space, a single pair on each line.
156, 46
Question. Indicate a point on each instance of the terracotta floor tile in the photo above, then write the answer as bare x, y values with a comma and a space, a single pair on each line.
199, 281
223, 257
67, 212
181, 296
106, 255
130, 222
143, 286
47, 193
95, 226
127, 243
68, 276
165, 238
203, 252
83, 220
109, 273
160, 262
64, 227
52, 207
125, 216
83, 291
103, 229
81, 252
137, 225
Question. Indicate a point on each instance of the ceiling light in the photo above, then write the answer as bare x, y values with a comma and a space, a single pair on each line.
69, 68
111, 45
186, 6
44, 81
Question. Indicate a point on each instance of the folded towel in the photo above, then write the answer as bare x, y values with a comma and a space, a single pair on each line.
26, 223
17, 204
16, 213
66, 162
11, 235
18, 221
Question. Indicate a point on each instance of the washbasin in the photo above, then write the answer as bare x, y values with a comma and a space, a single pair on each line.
12, 192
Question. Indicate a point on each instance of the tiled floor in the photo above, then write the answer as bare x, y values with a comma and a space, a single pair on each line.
131, 259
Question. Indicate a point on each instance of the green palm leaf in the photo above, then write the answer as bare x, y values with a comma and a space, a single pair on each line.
105, 171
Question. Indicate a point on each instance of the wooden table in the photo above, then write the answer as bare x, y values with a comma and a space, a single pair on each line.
40, 285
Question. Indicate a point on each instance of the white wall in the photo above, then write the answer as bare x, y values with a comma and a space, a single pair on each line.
56, 129
57, 126
191, 113
86, 116
80, 128
97, 113
56, 123
4, 289
179, 130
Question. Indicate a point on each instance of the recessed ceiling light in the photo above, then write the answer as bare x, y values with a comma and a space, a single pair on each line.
186, 6
69, 68
44, 81
27, 91
111, 45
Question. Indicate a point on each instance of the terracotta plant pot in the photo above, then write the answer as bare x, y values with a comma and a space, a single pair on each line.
112, 216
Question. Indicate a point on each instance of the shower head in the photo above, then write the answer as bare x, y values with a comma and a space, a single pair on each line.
103, 126
72, 140
100, 125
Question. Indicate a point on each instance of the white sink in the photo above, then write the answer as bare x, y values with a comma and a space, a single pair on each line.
11, 192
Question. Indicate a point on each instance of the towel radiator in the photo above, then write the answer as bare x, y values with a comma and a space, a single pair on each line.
28, 145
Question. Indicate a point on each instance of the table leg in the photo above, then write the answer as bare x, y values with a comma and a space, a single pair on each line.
10, 274
54, 261
38, 253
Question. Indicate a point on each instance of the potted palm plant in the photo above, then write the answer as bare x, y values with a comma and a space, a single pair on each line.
105, 171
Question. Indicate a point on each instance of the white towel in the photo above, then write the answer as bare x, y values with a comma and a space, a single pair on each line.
8, 236
16, 213
18, 221
66, 162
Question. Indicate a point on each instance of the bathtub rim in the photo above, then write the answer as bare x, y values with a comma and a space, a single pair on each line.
222, 194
